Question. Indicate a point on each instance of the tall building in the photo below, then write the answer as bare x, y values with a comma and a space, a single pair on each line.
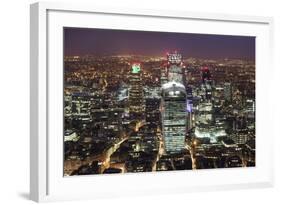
136, 102
205, 75
174, 116
164, 77
174, 98
228, 92
218, 97
175, 68
152, 112
206, 85
209, 129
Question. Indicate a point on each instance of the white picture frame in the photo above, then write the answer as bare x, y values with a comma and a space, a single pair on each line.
46, 178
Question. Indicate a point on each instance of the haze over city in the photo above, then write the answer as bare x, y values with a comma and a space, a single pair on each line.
81, 41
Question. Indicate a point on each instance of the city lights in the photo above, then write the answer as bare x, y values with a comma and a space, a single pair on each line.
128, 113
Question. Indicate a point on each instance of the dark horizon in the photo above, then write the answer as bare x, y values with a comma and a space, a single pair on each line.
88, 41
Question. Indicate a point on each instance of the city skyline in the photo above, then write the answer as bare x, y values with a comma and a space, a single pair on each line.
89, 41
145, 113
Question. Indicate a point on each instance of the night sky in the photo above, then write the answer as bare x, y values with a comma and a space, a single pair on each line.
83, 41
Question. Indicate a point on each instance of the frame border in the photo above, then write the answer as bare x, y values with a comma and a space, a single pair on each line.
39, 188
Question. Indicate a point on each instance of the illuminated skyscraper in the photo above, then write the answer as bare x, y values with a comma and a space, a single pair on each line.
164, 77
174, 116
206, 85
208, 128
136, 102
205, 75
228, 92
175, 68
152, 112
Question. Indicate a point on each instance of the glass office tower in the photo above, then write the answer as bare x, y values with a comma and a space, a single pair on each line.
174, 116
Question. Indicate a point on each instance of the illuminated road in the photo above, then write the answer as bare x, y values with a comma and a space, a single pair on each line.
159, 154
103, 158
106, 158
192, 155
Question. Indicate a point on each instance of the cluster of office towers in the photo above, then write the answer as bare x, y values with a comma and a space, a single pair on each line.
173, 102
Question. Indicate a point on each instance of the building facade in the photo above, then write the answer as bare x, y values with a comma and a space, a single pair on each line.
174, 120
136, 95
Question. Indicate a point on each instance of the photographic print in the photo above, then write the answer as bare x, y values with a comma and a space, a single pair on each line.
146, 101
